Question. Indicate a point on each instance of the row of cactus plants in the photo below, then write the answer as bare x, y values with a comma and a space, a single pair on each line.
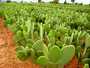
45, 54
46, 49
49, 47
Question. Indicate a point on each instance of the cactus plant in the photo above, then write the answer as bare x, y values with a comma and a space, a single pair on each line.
61, 56
23, 52
39, 46
67, 54
87, 44
51, 36
86, 66
40, 52
87, 41
43, 60
54, 54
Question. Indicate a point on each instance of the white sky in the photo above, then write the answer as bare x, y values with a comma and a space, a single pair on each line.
79, 1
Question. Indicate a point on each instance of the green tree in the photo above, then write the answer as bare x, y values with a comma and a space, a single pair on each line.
72, 1
65, 2
39, 1
8, 1
56, 1
22, 1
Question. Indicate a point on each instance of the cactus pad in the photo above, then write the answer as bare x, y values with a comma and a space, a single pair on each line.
42, 60
54, 54
67, 54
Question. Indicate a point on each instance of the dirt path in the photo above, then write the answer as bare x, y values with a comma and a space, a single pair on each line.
7, 51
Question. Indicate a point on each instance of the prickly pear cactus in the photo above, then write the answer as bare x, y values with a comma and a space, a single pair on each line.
38, 45
40, 52
43, 60
86, 66
51, 36
54, 54
23, 53
87, 41
67, 54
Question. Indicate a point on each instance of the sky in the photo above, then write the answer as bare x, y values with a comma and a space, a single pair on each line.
61, 1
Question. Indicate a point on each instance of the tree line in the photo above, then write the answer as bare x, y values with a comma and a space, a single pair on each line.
54, 1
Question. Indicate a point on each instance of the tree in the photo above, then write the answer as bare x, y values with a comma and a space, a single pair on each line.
72, 1
56, 1
22, 1
39, 1
8, 1
65, 2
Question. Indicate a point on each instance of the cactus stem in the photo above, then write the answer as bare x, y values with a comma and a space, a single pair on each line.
85, 49
41, 31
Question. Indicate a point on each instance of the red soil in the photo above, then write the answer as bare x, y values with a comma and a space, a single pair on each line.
8, 57
73, 63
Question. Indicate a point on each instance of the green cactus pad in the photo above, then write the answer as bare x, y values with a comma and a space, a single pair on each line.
39, 46
42, 60
54, 54
67, 54
87, 41
86, 66
23, 53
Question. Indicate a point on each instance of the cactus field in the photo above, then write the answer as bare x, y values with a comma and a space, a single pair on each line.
44, 35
